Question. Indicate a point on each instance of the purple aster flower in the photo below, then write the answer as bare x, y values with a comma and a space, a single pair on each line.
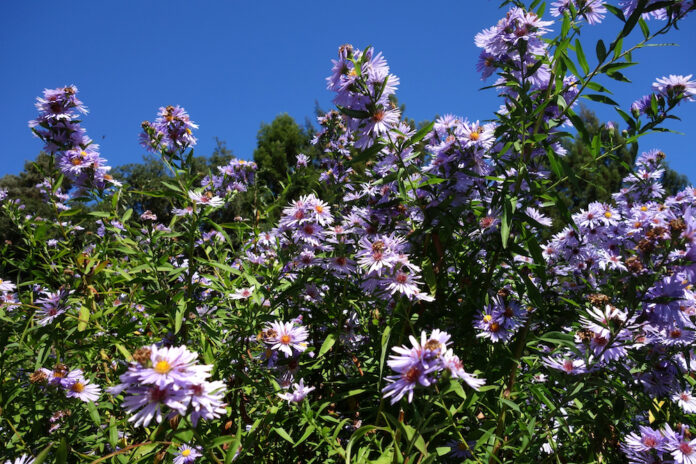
538, 217
301, 160
642, 447
60, 376
592, 10
285, 337
674, 86
187, 211
566, 364
686, 401
417, 366
172, 130
52, 306
207, 400
299, 393
685, 452
7, 286
206, 199
411, 373
456, 368
173, 366
147, 402
461, 449
82, 389
403, 280
187, 454
57, 105
310, 233
642, 105
242, 293
9, 301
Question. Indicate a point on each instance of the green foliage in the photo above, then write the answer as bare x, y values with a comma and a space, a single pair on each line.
277, 147
23, 187
590, 176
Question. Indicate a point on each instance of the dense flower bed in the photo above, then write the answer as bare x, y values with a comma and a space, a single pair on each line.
420, 305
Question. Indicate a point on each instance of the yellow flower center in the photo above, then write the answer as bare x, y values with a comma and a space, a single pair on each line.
163, 367
78, 387
474, 136
285, 339
186, 452
607, 214
319, 209
83, 153
487, 318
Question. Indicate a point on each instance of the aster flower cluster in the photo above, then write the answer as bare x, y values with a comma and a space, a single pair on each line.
165, 382
380, 260
422, 364
669, 91
59, 127
363, 85
606, 306
59, 197
460, 153
72, 382
501, 46
666, 445
334, 139
236, 176
643, 235
501, 318
172, 131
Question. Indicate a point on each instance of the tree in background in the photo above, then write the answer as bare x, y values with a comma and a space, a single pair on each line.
277, 147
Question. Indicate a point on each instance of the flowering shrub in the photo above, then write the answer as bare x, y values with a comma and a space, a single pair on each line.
419, 305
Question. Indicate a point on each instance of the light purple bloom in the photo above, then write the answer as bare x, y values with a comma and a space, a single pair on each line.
83, 389
173, 366
146, 403
206, 199
286, 337
242, 293
299, 393
187, 454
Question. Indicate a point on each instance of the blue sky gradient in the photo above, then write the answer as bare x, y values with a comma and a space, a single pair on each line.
234, 65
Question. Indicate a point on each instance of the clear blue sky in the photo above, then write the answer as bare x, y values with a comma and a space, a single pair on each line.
234, 65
